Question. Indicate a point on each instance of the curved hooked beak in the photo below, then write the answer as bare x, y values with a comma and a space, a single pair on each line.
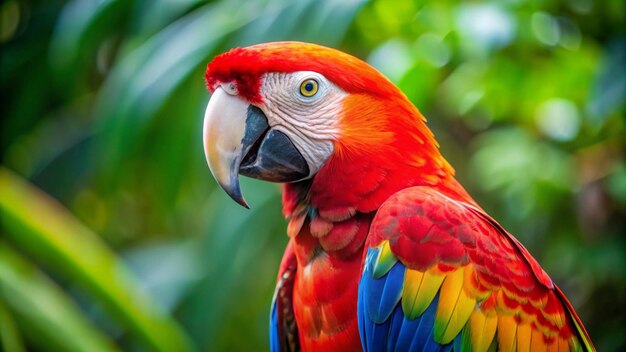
238, 140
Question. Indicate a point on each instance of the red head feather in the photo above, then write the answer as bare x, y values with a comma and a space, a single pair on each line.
378, 125
247, 65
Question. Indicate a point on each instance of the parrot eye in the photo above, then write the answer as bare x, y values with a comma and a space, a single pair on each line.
230, 88
309, 87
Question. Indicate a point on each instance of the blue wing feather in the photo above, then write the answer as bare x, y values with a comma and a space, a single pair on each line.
423, 335
394, 330
458, 342
274, 336
383, 295
382, 323
361, 318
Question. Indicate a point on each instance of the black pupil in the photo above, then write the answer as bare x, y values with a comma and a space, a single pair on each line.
308, 86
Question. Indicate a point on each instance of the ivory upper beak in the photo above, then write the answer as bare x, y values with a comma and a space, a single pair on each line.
223, 131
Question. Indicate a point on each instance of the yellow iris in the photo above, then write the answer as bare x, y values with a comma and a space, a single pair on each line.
309, 87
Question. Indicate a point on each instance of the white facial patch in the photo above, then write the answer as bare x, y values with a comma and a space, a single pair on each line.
311, 122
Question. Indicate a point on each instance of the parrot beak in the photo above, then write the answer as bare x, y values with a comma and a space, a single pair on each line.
238, 140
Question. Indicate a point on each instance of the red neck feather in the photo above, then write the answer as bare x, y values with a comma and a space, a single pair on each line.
384, 147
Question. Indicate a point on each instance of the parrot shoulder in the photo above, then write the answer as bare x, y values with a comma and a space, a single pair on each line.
441, 273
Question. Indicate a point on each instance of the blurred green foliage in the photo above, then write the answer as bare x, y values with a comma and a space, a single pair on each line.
114, 235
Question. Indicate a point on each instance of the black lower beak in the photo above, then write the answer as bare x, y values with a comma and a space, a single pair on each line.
266, 154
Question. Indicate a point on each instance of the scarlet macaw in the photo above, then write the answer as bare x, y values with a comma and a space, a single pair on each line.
387, 250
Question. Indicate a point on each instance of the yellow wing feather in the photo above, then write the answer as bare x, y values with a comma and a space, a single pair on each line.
420, 288
454, 309
482, 329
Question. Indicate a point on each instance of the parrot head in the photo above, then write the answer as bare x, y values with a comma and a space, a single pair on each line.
287, 111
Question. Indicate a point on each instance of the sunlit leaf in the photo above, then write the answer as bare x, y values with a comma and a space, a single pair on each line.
45, 308
40, 225
10, 337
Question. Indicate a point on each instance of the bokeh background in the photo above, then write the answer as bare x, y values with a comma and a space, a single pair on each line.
115, 237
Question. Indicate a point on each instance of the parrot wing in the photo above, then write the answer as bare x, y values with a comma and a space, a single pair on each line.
283, 328
441, 275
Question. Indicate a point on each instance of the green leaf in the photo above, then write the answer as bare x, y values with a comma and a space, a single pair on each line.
81, 27
45, 309
324, 22
238, 243
10, 338
144, 79
43, 227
